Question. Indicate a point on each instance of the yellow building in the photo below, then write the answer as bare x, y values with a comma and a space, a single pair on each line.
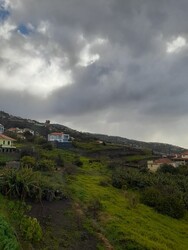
6, 144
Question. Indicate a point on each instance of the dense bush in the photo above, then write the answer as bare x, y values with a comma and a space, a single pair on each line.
28, 184
165, 201
151, 196
7, 238
132, 178
22, 183
167, 169
166, 190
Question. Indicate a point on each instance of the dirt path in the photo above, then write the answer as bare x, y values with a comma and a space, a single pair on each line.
62, 227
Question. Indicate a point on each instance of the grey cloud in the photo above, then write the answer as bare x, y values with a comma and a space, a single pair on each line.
24, 104
134, 76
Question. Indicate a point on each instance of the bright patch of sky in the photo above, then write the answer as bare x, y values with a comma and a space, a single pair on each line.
86, 56
28, 70
176, 44
6, 30
43, 27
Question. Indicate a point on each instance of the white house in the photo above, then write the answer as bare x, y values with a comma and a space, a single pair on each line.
1, 129
58, 136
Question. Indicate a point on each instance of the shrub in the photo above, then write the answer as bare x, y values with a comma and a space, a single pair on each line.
7, 237
172, 206
151, 196
28, 161
165, 201
30, 229
132, 178
46, 165
22, 183
167, 169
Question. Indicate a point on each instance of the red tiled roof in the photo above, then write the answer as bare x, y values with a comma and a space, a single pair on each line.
4, 137
184, 153
163, 161
57, 133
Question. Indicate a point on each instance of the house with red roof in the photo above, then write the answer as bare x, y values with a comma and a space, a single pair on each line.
58, 137
154, 165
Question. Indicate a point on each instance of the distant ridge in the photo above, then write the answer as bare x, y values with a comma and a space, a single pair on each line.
15, 121
157, 147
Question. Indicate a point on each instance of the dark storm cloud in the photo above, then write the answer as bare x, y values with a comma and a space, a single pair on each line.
131, 72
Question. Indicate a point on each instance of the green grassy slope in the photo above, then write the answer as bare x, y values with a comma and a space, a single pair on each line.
124, 225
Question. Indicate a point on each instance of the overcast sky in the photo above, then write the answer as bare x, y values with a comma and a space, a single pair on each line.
118, 67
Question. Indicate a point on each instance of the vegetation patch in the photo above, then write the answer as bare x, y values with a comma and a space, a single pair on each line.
124, 224
7, 236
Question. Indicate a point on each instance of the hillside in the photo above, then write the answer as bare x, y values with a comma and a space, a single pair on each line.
155, 146
92, 196
13, 121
